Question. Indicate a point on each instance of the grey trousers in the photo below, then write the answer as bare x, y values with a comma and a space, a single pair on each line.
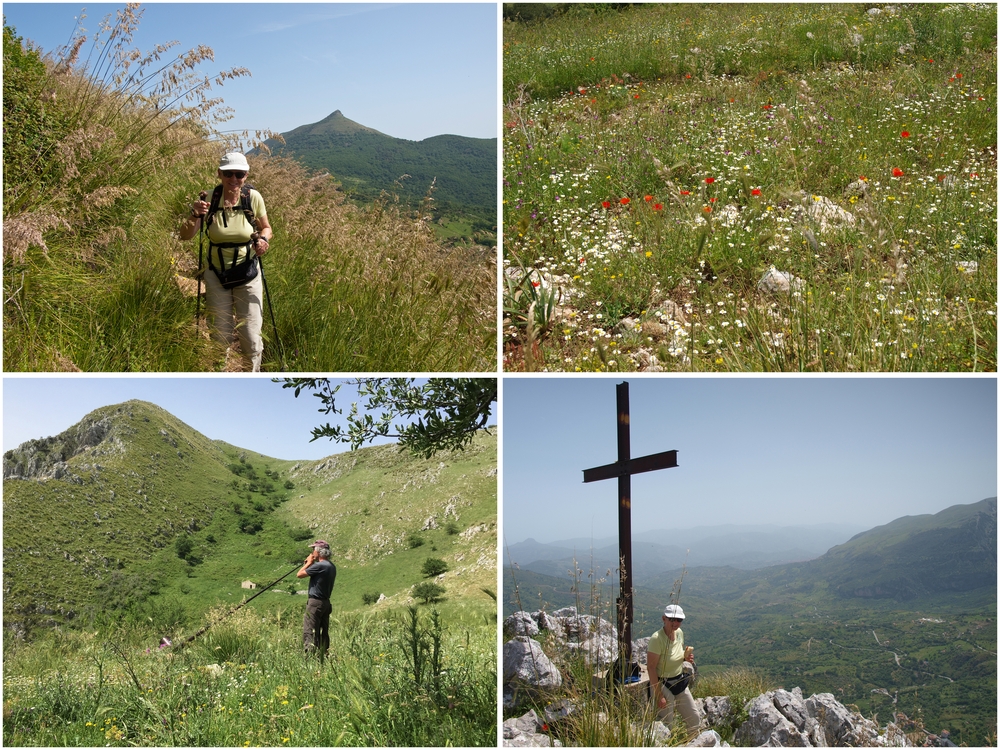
316, 626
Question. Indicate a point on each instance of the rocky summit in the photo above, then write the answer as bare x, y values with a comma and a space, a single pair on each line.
777, 718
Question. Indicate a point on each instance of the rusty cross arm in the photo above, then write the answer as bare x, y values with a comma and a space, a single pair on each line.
664, 460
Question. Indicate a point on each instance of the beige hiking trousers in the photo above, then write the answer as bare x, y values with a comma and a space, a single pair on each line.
247, 304
685, 704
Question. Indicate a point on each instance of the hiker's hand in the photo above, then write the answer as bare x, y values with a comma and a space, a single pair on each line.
689, 656
663, 702
199, 209
262, 245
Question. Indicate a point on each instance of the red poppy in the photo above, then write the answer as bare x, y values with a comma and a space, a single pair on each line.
688, 75
709, 180
958, 75
606, 204
657, 206
685, 192
711, 200
731, 101
635, 96
708, 209
647, 198
930, 61
940, 178
973, 175
897, 172
624, 201
767, 106
536, 284
863, 178
905, 134
755, 191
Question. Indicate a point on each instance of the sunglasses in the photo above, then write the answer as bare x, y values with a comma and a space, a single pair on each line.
237, 175
673, 619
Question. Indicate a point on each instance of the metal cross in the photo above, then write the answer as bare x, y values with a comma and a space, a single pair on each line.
624, 468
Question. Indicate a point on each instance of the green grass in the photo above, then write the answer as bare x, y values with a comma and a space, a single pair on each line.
246, 682
657, 161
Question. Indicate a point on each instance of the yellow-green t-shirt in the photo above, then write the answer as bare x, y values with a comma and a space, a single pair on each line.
671, 652
234, 228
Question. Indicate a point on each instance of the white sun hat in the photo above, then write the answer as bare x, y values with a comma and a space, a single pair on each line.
674, 611
234, 161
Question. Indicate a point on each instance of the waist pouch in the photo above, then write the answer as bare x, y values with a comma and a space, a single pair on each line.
678, 684
238, 273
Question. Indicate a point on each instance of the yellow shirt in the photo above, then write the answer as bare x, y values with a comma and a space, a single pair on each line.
234, 228
671, 652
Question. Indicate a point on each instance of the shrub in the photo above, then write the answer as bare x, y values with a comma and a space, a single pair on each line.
414, 540
451, 528
428, 591
184, 546
370, 598
300, 534
434, 566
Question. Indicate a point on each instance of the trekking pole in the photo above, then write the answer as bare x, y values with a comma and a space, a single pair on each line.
267, 295
201, 234
239, 606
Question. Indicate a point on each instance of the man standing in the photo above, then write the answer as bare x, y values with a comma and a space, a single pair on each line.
322, 573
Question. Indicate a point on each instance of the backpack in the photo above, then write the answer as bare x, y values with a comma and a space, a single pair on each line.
235, 275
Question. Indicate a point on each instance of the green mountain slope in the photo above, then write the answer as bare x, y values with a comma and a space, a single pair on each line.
92, 520
367, 162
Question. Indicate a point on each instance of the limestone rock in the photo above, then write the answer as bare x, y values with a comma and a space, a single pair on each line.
715, 710
524, 662
525, 732
520, 623
709, 738
779, 282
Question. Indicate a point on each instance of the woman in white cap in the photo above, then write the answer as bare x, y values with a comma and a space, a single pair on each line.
238, 231
665, 660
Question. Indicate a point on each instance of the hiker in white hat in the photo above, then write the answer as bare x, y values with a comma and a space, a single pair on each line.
665, 662
235, 220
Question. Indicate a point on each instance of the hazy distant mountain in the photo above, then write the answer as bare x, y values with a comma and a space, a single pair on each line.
367, 162
912, 558
745, 547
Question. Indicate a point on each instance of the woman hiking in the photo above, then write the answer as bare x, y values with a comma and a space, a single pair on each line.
235, 221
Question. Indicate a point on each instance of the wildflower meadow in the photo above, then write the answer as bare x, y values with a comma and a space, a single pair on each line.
750, 188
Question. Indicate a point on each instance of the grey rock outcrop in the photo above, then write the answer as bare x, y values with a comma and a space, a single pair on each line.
525, 731
44, 459
593, 637
781, 718
526, 664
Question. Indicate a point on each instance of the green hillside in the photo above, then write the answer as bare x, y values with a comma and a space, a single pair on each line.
367, 162
92, 520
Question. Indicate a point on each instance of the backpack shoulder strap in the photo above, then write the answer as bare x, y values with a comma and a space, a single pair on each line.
247, 205
213, 205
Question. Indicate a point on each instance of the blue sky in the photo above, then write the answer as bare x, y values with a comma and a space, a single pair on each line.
751, 450
247, 412
410, 70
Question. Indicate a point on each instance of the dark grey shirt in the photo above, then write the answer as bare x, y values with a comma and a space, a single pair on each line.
322, 574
